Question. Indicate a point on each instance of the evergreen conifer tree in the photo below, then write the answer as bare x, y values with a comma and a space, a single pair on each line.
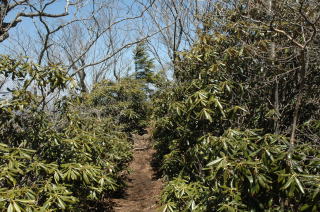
143, 63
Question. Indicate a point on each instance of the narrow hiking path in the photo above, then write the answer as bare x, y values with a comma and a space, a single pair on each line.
143, 190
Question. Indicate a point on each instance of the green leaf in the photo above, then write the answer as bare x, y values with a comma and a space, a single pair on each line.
61, 204
299, 185
305, 207
56, 177
316, 192
16, 207
214, 162
86, 179
207, 115
10, 208
26, 201
250, 178
288, 183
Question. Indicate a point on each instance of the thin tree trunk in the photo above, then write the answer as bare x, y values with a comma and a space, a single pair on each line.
82, 77
276, 90
301, 83
276, 106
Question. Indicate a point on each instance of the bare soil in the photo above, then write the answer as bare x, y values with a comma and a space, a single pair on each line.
144, 188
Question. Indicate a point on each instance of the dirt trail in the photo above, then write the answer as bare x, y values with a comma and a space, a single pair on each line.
143, 189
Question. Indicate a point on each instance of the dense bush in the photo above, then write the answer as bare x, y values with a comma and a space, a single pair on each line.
125, 102
224, 130
67, 160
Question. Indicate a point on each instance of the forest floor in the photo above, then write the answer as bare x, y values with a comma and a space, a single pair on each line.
143, 191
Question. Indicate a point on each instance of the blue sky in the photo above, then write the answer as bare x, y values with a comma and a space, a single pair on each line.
127, 32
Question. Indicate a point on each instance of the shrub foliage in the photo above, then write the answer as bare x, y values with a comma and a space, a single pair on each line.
70, 159
229, 134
